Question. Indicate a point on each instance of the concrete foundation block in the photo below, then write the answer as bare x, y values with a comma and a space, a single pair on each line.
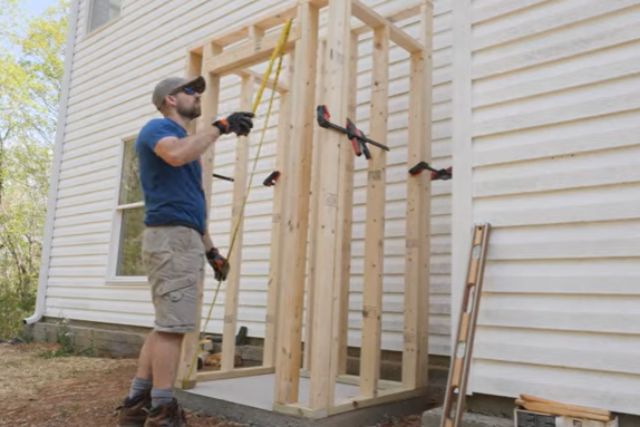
432, 417
256, 417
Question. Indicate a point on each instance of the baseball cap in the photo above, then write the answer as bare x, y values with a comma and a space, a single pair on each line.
172, 85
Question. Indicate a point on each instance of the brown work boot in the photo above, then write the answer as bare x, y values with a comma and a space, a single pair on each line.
167, 415
133, 412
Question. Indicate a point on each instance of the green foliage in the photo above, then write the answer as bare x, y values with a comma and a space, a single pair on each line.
66, 344
64, 337
31, 68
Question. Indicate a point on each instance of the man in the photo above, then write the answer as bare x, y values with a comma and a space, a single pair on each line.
174, 242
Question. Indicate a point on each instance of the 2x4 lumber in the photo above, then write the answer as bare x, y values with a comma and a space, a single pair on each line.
298, 410
281, 87
235, 256
313, 212
245, 55
187, 373
374, 20
407, 12
374, 227
194, 63
276, 256
356, 380
416, 295
324, 350
193, 69
296, 216
271, 19
346, 212
235, 373
319, 3
393, 16
195, 50
423, 60
562, 410
527, 398
386, 396
255, 36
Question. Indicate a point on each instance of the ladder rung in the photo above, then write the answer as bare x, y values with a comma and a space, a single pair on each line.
477, 237
472, 278
457, 372
464, 327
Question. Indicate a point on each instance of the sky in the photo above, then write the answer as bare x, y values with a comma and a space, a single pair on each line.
33, 8
36, 7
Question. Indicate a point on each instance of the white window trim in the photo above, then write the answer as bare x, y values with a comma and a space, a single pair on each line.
89, 18
114, 243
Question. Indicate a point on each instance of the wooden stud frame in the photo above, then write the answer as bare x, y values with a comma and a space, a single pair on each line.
374, 228
328, 211
237, 215
296, 213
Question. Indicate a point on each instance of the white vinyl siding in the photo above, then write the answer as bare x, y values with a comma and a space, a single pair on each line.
113, 74
555, 107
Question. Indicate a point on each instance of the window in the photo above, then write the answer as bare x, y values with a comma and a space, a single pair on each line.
103, 11
129, 216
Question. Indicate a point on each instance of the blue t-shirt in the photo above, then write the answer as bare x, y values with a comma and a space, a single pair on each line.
172, 195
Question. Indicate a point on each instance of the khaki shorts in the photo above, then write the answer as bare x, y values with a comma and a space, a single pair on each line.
174, 258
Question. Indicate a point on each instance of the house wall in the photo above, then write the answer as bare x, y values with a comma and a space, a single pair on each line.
113, 73
552, 151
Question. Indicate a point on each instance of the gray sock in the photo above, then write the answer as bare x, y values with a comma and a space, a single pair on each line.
139, 387
161, 396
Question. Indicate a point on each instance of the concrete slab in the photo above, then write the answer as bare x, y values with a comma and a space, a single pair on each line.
249, 400
432, 417
257, 391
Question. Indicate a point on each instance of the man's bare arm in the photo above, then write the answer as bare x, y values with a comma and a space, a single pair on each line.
180, 151
206, 237
208, 243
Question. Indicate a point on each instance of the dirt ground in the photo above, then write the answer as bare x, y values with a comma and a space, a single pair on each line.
36, 390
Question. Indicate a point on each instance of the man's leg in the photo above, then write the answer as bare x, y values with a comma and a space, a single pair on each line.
141, 384
144, 360
165, 358
176, 264
133, 411
157, 364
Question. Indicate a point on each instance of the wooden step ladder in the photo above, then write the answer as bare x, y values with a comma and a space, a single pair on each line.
453, 407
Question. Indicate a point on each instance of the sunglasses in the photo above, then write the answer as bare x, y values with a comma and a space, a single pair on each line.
188, 90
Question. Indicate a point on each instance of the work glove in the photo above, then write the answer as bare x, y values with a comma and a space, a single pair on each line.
219, 264
239, 123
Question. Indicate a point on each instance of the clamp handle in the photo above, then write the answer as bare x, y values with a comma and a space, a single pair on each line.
442, 174
436, 174
365, 150
357, 138
226, 178
323, 116
418, 168
352, 134
271, 180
